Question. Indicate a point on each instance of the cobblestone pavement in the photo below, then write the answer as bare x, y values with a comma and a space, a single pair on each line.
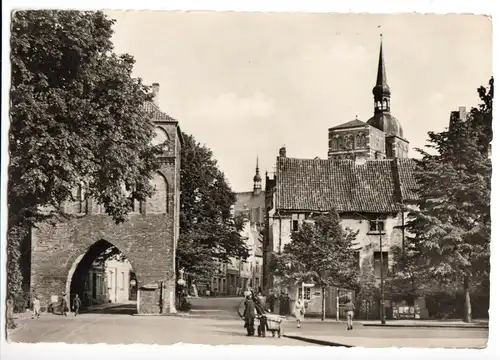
125, 329
122, 328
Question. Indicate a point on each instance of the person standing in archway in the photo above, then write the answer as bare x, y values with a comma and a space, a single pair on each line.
64, 305
77, 302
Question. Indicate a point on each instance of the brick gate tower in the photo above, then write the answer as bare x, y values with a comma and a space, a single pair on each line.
62, 255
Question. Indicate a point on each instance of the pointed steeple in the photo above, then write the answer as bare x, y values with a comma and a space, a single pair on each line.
257, 179
381, 91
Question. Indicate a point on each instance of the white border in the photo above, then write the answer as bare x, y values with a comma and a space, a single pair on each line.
58, 351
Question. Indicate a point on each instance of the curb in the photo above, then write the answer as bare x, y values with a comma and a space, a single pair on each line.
315, 341
452, 326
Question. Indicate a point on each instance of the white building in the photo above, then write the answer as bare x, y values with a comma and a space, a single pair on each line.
118, 280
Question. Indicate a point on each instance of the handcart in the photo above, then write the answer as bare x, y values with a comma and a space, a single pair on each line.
270, 322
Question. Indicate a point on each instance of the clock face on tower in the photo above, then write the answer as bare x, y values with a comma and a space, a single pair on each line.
160, 137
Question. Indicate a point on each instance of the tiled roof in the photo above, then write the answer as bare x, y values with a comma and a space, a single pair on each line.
321, 185
157, 114
349, 124
407, 181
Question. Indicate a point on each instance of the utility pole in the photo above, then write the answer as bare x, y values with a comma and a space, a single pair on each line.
382, 298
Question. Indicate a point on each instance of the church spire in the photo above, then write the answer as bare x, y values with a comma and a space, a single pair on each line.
381, 91
257, 179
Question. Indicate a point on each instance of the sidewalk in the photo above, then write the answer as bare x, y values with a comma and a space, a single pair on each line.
482, 324
331, 340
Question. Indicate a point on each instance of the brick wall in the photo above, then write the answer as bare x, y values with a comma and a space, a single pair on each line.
148, 239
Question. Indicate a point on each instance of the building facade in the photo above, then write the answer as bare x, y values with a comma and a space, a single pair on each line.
366, 178
62, 255
243, 274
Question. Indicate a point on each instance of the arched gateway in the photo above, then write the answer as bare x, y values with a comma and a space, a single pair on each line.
61, 254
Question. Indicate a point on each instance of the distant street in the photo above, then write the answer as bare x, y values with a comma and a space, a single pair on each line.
214, 321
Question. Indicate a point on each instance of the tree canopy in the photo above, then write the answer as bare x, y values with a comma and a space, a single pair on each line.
320, 252
208, 228
452, 225
77, 116
76, 119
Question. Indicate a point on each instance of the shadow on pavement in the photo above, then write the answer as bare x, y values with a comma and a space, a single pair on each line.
124, 309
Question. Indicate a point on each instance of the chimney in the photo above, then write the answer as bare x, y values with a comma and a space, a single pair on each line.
283, 152
156, 93
462, 114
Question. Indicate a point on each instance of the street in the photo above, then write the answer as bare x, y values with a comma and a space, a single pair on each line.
126, 329
214, 322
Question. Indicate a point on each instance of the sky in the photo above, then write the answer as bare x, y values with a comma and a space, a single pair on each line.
245, 84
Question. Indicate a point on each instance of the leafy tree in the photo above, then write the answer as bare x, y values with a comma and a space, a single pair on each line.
77, 117
452, 226
322, 253
208, 229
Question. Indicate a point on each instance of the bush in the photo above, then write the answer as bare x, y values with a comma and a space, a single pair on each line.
21, 302
451, 305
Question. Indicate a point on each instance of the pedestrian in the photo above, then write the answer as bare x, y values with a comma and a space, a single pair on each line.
64, 305
299, 311
36, 308
349, 308
249, 316
77, 302
271, 299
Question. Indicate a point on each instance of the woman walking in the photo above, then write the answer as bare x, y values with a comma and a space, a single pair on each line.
299, 311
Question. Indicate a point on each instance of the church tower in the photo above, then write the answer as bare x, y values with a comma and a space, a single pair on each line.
396, 146
257, 180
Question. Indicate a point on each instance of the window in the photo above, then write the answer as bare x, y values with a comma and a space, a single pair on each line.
307, 292
295, 225
158, 203
80, 203
161, 137
377, 225
376, 262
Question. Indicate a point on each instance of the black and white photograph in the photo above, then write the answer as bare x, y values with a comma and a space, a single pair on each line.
248, 178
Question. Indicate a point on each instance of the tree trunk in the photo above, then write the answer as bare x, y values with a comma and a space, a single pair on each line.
323, 307
467, 305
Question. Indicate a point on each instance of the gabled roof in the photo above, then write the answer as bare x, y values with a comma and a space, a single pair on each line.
158, 115
350, 124
377, 186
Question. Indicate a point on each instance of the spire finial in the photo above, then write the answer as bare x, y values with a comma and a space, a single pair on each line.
257, 178
381, 87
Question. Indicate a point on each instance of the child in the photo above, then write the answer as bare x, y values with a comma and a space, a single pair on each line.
36, 308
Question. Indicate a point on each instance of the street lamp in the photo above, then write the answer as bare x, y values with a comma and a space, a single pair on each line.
382, 295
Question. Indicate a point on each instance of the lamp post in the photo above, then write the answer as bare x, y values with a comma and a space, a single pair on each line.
382, 297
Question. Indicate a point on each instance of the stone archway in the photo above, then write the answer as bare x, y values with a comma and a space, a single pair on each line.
147, 241
89, 275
